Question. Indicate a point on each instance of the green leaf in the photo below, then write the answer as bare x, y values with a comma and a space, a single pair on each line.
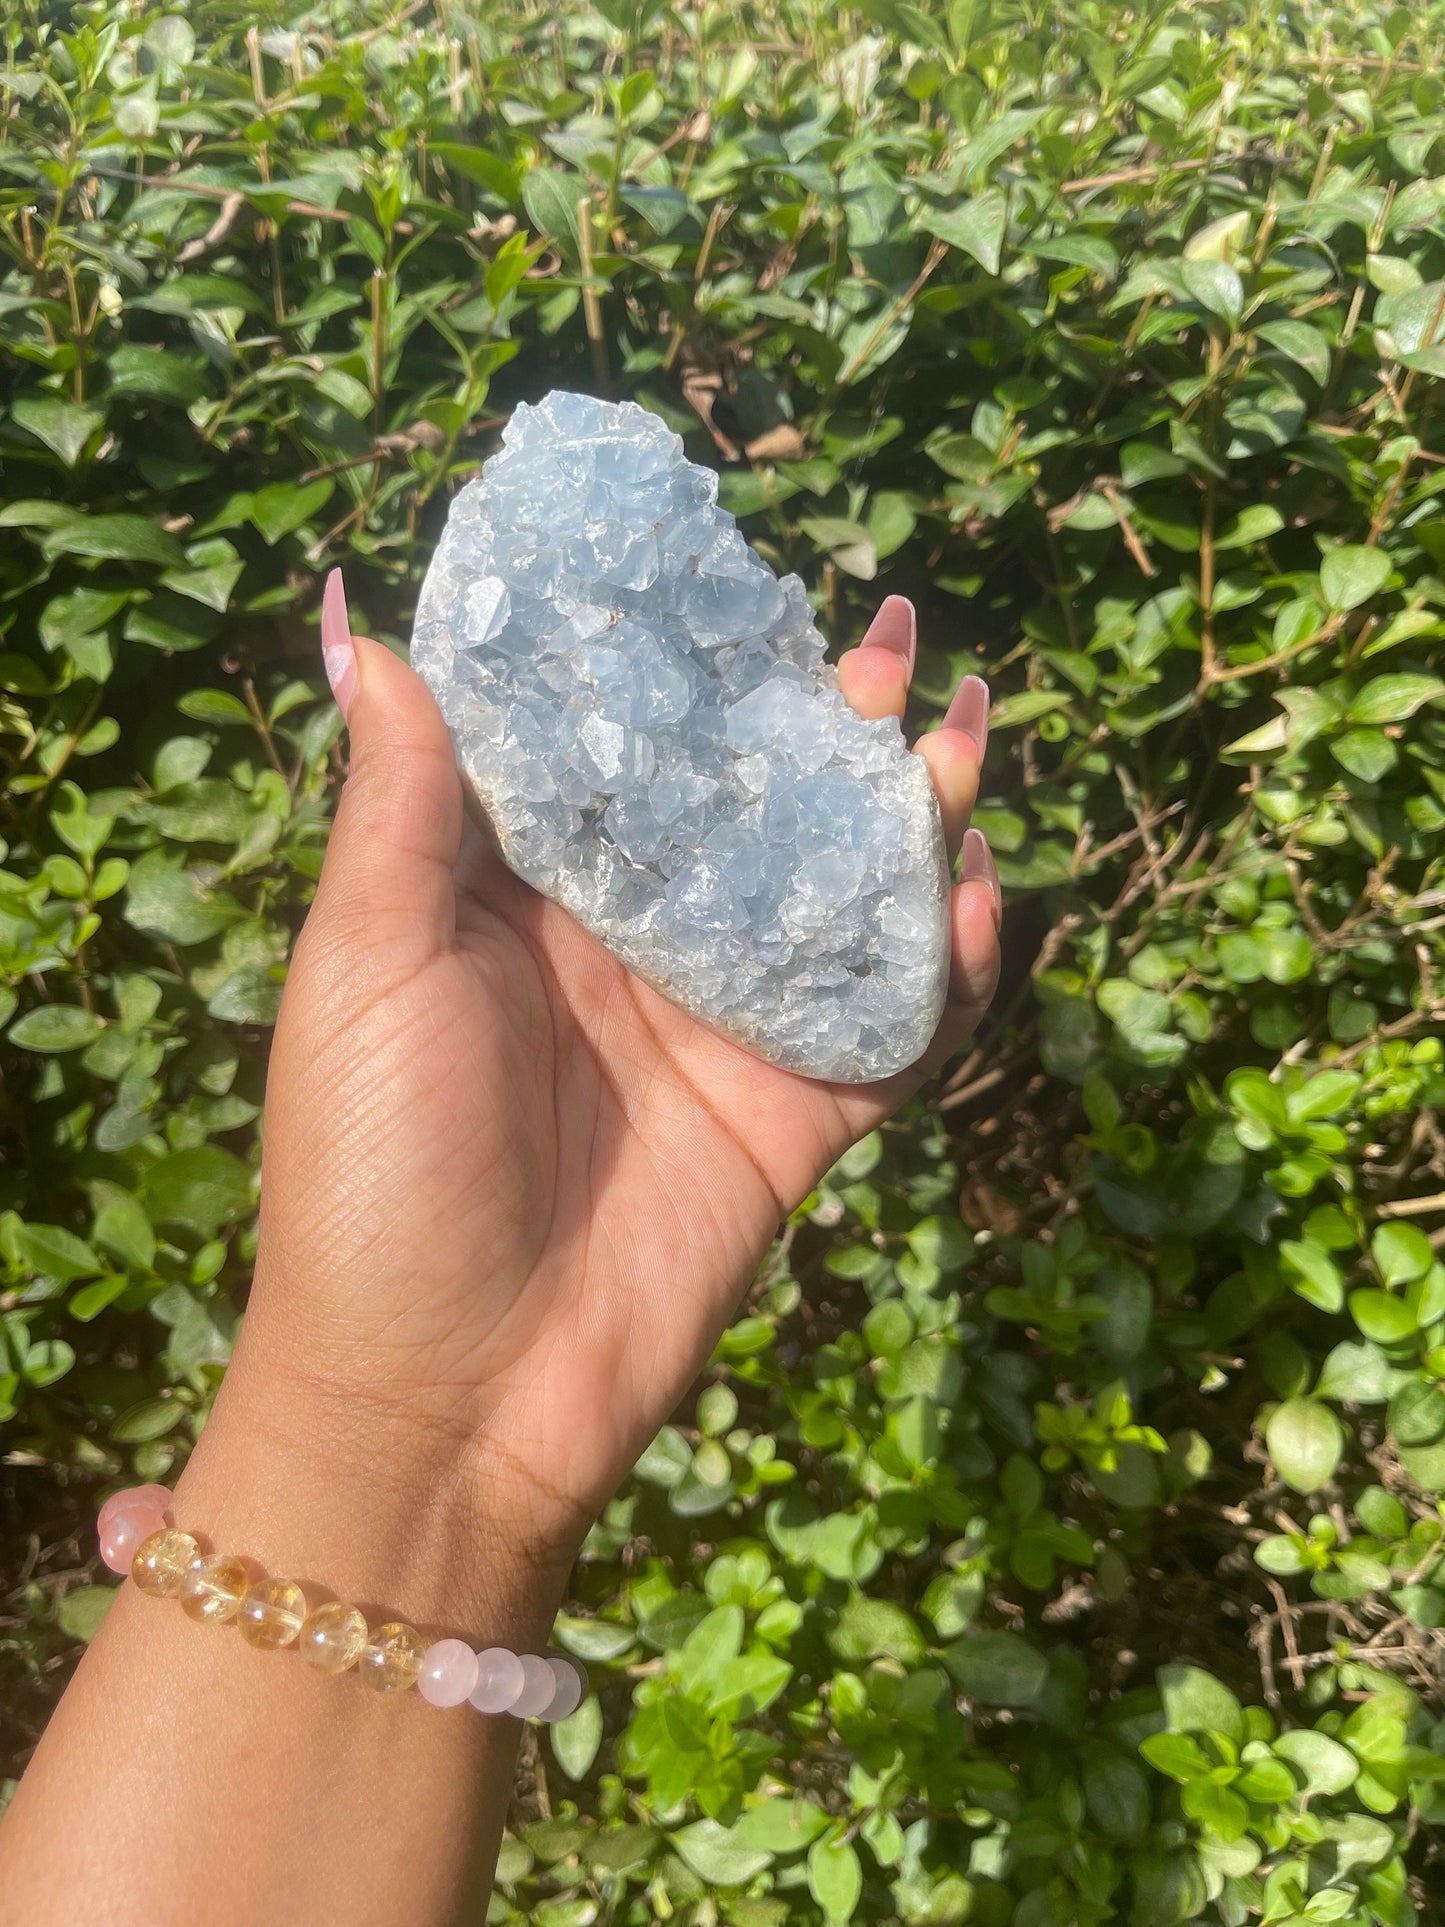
1387, 1320
1394, 698
1402, 1253
171, 902
1117, 1793
284, 507
64, 426
1254, 524
1415, 319
575, 1740
153, 1418
54, 1252
91, 1300
80, 1612
116, 538
211, 572
709, 1648
780, 1825
69, 620
866, 1627
208, 810
1306, 1442
1303, 344
56, 1027
1312, 1273
1026, 707
1417, 1413
29, 513
168, 621
975, 227
214, 706
200, 1189
835, 1879
122, 1228
46, 1361
999, 1669
500, 177
1219, 239
1392, 275
550, 198
716, 1855
1194, 1701
1215, 285
1351, 574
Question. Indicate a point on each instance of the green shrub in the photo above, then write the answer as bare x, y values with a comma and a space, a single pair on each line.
1058, 1536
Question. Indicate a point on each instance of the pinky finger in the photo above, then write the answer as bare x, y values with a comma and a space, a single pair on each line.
973, 979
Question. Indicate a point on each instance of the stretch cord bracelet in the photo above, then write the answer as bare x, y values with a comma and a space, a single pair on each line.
138, 1536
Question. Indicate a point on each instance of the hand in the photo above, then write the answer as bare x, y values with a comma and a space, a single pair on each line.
511, 1195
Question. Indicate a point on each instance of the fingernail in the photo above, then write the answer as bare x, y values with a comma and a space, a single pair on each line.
979, 867
894, 627
338, 651
969, 711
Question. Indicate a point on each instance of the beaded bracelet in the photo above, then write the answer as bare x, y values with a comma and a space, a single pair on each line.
137, 1536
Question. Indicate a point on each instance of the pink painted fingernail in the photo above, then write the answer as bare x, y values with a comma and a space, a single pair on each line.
979, 867
338, 651
894, 627
969, 711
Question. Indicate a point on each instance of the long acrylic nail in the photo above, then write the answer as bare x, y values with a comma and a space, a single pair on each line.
895, 627
969, 711
979, 867
338, 651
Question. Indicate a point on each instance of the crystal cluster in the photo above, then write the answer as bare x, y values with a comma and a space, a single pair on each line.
644, 711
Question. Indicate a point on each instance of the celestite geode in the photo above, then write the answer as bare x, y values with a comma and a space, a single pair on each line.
644, 712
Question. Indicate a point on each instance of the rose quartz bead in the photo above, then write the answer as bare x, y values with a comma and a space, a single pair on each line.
449, 1672
150, 1498
539, 1688
499, 1680
571, 1689
122, 1534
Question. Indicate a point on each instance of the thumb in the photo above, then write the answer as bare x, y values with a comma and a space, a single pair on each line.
399, 824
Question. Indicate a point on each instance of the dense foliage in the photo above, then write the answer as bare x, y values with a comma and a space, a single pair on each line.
1058, 1536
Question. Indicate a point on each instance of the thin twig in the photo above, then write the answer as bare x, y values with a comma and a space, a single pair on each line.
591, 306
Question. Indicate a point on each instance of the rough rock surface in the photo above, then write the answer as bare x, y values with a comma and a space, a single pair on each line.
644, 711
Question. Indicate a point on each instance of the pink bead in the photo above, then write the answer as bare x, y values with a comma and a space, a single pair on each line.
499, 1680
448, 1673
539, 1688
571, 1689
123, 1532
148, 1497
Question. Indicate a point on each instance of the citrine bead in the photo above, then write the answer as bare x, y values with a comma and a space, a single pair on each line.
162, 1561
391, 1659
212, 1589
332, 1637
271, 1613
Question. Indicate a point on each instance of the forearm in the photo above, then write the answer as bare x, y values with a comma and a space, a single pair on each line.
200, 1778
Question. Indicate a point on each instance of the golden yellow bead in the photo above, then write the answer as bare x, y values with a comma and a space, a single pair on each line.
162, 1562
332, 1637
212, 1589
271, 1613
391, 1659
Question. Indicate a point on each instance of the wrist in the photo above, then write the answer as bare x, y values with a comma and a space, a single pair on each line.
367, 1499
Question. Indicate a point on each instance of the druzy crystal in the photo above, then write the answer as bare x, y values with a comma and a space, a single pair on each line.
644, 712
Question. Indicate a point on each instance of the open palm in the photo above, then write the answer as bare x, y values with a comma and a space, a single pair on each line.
509, 1189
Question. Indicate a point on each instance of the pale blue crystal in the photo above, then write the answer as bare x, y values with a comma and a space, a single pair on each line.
644, 711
